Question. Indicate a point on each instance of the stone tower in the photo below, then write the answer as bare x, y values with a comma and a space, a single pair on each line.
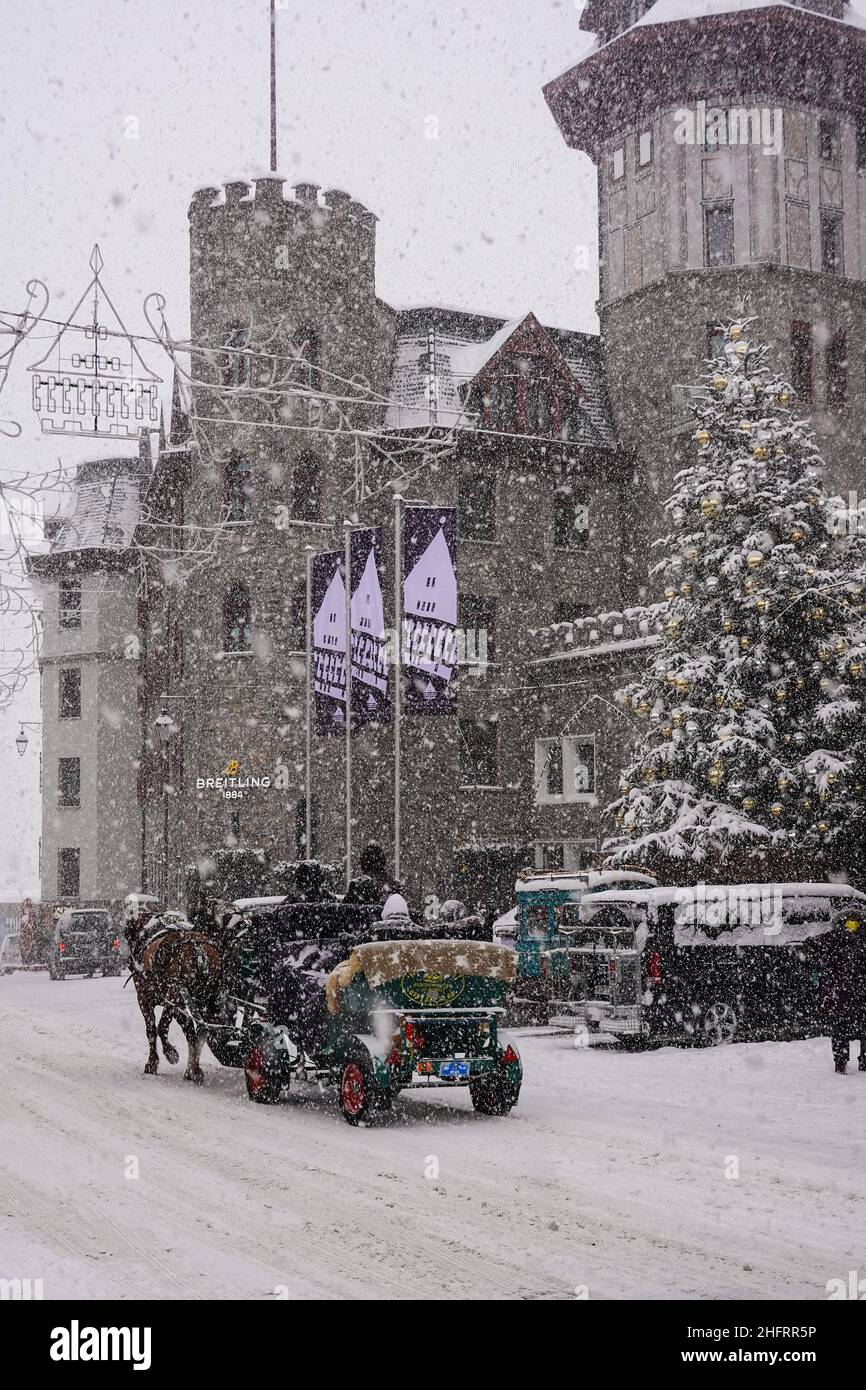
284, 316
730, 144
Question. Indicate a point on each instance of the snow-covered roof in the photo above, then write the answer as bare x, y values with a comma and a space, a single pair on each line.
588, 882
693, 892
105, 507
245, 904
463, 344
630, 629
669, 11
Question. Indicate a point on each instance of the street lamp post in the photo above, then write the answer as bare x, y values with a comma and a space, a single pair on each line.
166, 728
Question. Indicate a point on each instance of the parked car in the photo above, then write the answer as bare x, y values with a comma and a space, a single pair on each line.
10, 953
85, 940
703, 964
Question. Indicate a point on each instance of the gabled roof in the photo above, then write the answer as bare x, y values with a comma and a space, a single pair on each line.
463, 345
527, 336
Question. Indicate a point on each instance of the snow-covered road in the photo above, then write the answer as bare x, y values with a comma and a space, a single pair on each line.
613, 1176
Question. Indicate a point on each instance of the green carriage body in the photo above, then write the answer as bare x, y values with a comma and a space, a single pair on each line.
400, 1014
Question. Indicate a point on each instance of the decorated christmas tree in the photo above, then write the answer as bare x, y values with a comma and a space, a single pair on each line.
751, 755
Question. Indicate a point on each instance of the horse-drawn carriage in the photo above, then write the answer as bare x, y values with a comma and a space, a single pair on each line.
330, 992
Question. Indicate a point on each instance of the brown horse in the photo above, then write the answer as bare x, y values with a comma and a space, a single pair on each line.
177, 968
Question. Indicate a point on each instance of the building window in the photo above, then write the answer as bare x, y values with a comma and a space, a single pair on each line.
476, 503
564, 854
69, 692
564, 768
618, 164
801, 359
70, 603
837, 370
715, 341
476, 618
828, 140
479, 752
305, 371
570, 518
307, 487
645, 149
235, 361
831, 243
719, 234
861, 147
68, 873
69, 781
237, 626
237, 488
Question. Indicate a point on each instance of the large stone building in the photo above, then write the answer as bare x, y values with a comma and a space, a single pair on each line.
308, 402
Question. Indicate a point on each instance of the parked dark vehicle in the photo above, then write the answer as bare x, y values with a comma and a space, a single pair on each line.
85, 941
703, 964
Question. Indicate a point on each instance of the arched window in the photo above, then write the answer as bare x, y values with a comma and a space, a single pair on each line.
306, 369
307, 487
235, 361
237, 626
236, 488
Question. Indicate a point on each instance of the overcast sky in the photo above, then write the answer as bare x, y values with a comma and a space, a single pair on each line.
113, 111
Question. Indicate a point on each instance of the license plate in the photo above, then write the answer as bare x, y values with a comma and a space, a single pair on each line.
454, 1071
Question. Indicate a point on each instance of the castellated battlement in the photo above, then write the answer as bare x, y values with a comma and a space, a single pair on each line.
256, 252
252, 226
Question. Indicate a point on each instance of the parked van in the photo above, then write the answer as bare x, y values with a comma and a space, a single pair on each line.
703, 964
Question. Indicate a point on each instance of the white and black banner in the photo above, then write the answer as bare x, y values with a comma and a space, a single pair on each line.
429, 609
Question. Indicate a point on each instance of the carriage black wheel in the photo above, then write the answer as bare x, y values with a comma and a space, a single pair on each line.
264, 1082
492, 1094
361, 1096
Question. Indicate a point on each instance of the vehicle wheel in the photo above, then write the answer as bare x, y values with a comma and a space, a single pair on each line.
264, 1081
492, 1094
719, 1023
361, 1096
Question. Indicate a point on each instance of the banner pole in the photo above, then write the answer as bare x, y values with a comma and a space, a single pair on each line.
348, 579
308, 773
398, 678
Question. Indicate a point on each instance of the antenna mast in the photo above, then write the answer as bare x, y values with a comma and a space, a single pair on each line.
273, 87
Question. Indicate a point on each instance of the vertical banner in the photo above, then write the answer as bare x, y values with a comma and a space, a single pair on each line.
369, 639
329, 641
429, 608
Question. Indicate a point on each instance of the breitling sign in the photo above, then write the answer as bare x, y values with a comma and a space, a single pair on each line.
231, 785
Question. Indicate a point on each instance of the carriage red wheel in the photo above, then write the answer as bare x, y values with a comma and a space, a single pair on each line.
352, 1092
264, 1084
360, 1092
